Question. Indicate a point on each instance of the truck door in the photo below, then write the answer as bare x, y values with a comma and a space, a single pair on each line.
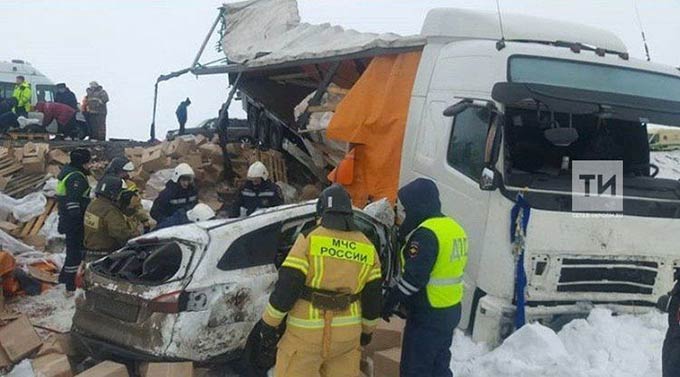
452, 152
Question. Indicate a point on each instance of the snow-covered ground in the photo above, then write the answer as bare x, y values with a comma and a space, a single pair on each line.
51, 309
602, 345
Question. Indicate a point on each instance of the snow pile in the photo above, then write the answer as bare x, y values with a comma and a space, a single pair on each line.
603, 345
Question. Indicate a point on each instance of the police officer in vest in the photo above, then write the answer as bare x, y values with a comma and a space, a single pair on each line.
329, 292
430, 288
73, 197
670, 357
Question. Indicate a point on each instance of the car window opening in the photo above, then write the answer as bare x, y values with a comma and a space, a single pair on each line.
156, 263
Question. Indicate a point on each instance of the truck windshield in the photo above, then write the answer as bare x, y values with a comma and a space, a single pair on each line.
595, 77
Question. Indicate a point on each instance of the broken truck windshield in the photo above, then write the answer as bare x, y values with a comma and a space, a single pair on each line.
595, 77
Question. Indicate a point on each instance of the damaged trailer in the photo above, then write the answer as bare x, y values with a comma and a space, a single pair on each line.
489, 113
198, 296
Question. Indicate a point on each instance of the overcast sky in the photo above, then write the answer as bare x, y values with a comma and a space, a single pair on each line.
126, 44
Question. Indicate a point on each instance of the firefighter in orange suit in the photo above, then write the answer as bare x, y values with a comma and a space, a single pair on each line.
329, 294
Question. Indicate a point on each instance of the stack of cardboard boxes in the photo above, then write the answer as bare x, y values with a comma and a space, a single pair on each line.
381, 357
55, 356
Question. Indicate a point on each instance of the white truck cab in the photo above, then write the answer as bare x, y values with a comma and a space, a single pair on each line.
513, 81
43, 88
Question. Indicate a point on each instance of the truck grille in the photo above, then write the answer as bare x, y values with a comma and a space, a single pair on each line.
616, 276
114, 308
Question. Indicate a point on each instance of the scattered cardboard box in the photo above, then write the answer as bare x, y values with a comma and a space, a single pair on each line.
194, 159
383, 339
7, 227
185, 369
53, 170
200, 139
213, 173
19, 339
154, 161
386, 335
58, 156
366, 366
36, 240
31, 149
4, 359
52, 365
179, 147
211, 151
42, 275
106, 369
34, 164
386, 363
55, 344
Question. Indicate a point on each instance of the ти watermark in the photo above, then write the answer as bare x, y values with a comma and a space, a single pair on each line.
597, 186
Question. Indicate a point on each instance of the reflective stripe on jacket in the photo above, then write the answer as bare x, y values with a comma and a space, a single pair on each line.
445, 286
335, 261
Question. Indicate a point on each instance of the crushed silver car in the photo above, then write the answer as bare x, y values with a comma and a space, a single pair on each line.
195, 292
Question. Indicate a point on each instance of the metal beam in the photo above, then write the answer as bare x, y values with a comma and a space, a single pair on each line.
235, 67
207, 38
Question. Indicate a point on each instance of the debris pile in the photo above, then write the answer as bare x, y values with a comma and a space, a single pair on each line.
36, 315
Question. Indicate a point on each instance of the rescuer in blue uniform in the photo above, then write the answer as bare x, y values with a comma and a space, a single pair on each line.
430, 288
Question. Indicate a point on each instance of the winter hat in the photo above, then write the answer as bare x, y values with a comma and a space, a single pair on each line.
94, 84
80, 157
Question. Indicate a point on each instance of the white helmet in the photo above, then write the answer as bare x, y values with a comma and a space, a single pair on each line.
182, 170
258, 170
200, 212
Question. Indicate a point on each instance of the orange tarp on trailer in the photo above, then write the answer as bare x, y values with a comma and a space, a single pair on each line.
372, 117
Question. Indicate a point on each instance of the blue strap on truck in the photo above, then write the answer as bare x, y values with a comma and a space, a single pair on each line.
519, 219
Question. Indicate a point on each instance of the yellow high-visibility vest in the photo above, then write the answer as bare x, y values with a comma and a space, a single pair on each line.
445, 287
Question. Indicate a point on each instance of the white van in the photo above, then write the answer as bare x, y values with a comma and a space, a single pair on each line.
513, 88
42, 87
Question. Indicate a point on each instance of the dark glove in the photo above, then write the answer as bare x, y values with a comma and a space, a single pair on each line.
147, 228
662, 304
366, 339
391, 303
269, 335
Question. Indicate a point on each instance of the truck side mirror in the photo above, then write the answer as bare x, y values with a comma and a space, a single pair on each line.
457, 108
487, 182
464, 104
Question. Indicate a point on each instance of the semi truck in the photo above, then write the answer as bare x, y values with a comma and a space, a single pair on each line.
501, 106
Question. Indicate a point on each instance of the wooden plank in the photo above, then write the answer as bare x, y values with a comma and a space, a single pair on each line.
26, 185
10, 170
305, 160
29, 136
40, 220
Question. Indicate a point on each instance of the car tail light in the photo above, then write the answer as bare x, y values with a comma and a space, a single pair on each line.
167, 303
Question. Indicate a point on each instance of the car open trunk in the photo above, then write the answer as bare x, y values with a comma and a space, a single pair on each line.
131, 294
